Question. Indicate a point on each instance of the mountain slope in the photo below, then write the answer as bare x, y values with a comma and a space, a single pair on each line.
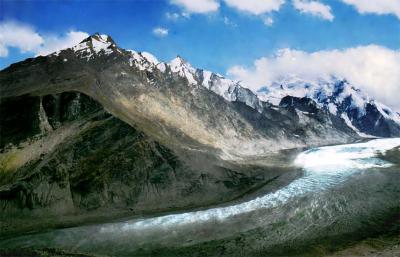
95, 131
168, 101
365, 116
65, 160
99, 130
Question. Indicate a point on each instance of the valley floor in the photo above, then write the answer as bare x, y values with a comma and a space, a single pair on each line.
348, 211
383, 246
374, 247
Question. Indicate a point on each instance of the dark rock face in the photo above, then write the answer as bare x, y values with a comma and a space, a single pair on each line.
297, 107
68, 106
24, 116
303, 104
373, 122
369, 120
17, 126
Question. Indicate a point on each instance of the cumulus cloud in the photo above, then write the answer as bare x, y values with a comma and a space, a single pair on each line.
21, 36
197, 6
377, 7
160, 32
375, 69
259, 8
314, 8
26, 39
255, 7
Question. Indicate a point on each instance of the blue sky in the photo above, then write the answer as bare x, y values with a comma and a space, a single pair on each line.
218, 35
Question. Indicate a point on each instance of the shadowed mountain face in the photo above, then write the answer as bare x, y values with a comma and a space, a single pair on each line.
96, 128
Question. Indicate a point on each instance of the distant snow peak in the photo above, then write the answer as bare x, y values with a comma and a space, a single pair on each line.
178, 63
184, 69
230, 90
338, 97
143, 60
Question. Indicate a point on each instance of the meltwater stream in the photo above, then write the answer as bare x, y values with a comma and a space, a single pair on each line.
325, 168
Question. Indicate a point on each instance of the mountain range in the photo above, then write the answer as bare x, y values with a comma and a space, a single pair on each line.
97, 126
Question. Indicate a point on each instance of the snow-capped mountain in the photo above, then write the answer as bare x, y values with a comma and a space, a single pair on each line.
364, 115
229, 89
360, 112
179, 104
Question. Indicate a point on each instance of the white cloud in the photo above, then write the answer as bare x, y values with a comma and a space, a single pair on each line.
376, 6
21, 36
26, 39
228, 22
268, 21
172, 16
3, 51
375, 69
197, 6
314, 8
255, 7
160, 32
54, 43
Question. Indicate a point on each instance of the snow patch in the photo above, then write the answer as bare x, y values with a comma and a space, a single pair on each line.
101, 44
332, 108
150, 58
162, 67
387, 112
184, 69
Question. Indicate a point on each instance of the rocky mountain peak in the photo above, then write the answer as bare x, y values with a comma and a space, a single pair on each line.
178, 62
145, 61
184, 69
102, 38
96, 44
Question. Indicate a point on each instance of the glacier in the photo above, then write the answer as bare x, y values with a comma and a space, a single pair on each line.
325, 168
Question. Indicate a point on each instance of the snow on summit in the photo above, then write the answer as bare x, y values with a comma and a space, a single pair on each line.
183, 68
